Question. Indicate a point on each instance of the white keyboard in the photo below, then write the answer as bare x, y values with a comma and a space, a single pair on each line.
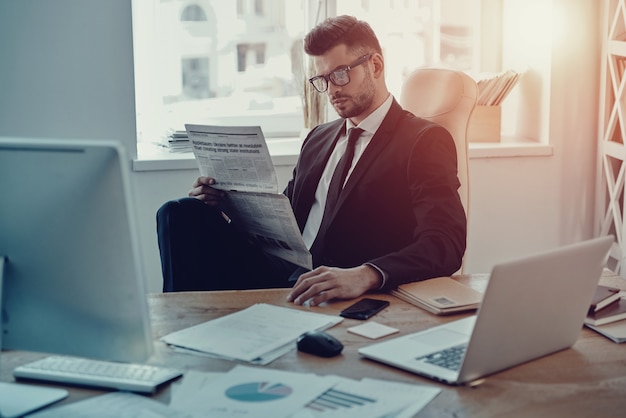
105, 374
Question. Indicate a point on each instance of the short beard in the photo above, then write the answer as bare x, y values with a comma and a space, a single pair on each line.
362, 101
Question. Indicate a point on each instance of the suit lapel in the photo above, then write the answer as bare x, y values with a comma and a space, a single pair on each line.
383, 136
319, 162
305, 194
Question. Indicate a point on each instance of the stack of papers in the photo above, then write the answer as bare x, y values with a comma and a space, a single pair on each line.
493, 88
441, 295
177, 141
258, 334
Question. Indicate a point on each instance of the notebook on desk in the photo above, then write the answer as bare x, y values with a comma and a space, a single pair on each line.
532, 307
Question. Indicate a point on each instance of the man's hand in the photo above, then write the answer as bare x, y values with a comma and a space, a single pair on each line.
203, 190
326, 283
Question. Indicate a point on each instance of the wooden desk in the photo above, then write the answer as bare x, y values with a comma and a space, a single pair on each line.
588, 380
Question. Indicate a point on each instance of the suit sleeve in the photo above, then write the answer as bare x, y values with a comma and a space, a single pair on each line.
439, 233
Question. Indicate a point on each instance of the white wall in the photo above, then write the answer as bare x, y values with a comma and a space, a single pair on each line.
523, 205
51, 52
66, 69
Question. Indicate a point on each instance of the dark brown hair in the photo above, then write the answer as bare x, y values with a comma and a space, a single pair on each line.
348, 30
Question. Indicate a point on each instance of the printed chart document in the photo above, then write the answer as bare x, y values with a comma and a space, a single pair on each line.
248, 392
255, 392
258, 334
237, 157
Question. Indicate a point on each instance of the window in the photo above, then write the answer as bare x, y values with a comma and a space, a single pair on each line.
258, 7
193, 13
240, 62
421, 33
195, 80
255, 51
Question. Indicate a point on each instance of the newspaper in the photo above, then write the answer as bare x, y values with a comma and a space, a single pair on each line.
238, 159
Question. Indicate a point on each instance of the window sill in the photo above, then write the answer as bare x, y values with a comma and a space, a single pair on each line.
509, 148
285, 151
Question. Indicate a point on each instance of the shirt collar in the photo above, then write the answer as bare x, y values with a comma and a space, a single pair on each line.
373, 121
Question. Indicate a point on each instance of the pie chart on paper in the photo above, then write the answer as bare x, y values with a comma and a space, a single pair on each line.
258, 392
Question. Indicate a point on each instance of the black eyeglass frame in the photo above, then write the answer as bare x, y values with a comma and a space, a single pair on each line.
329, 77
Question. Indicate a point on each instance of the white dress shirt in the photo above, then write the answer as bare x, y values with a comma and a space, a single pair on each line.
369, 125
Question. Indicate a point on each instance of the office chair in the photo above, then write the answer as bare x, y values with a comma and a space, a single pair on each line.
448, 98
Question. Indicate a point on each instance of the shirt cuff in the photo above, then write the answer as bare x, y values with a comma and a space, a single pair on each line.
383, 275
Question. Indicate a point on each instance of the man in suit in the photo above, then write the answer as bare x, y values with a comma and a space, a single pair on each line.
395, 216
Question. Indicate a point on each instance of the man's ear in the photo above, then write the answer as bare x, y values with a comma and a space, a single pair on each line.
379, 65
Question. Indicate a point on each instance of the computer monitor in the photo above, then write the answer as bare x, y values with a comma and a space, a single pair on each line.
72, 281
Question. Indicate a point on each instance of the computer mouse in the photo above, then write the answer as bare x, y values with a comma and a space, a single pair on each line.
319, 343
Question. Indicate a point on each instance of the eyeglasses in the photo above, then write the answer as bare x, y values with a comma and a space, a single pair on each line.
339, 77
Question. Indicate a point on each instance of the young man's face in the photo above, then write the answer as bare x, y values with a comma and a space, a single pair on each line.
353, 100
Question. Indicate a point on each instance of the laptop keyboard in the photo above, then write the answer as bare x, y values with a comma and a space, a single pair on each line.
450, 358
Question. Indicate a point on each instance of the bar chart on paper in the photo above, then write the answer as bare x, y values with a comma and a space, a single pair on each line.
334, 399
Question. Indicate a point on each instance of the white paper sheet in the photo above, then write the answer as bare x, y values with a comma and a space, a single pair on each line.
113, 405
253, 334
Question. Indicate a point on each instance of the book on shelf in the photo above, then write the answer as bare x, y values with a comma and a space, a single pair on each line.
440, 295
615, 331
612, 313
494, 88
604, 296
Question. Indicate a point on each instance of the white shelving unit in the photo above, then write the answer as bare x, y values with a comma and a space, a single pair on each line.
610, 189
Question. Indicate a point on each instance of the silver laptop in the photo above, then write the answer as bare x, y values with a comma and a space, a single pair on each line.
532, 307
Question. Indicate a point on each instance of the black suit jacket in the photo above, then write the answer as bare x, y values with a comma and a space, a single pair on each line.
399, 210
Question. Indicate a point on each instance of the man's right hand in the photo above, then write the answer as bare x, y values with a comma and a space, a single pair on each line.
203, 190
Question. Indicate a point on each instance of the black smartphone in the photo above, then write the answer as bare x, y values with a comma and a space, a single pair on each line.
364, 309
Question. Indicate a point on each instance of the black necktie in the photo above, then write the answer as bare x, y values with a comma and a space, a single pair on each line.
341, 171
334, 189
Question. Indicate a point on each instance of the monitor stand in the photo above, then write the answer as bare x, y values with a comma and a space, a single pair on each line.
17, 399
